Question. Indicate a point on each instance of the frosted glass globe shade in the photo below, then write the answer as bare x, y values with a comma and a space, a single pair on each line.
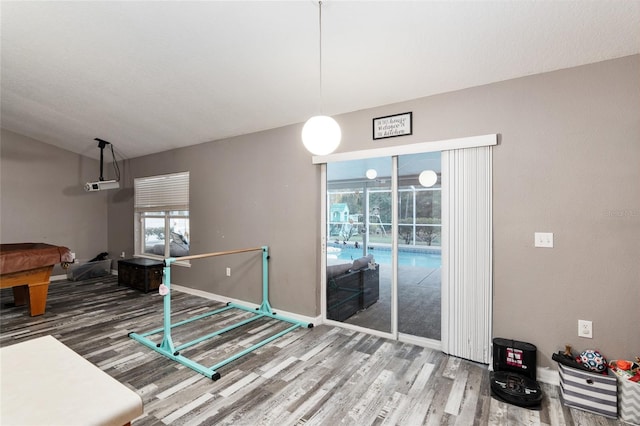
428, 178
371, 174
321, 135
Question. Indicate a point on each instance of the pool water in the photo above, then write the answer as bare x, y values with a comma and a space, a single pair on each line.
383, 257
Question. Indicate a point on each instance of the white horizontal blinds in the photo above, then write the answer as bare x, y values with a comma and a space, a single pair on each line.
164, 192
467, 253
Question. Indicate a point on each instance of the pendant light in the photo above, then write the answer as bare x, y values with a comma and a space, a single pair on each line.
428, 178
371, 174
321, 134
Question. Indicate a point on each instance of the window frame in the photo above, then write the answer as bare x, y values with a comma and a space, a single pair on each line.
160, 204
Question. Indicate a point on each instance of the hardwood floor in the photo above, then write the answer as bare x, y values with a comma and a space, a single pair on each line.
319, 376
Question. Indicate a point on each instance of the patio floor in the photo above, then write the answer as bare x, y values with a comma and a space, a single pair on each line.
419, 303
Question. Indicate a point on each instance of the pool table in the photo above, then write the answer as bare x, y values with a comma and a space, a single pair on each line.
27, 268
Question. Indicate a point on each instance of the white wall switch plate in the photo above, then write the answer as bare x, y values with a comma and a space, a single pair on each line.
228, 272
585, 329
543, 239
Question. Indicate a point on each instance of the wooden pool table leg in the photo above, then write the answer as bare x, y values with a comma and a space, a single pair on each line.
32, 285
35, 294
38, 298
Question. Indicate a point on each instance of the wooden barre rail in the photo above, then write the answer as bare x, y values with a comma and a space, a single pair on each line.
220, 253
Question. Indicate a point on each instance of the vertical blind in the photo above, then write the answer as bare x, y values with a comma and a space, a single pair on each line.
467, 253
163, 192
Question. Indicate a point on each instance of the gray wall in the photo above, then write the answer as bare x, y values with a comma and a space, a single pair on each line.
250, 191
568, 163
43, 200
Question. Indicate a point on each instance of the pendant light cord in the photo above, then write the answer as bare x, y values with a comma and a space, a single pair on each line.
320, 55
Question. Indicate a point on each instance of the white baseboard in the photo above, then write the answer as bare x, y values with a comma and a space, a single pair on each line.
421, 341
543, 374
224, 299
547, 375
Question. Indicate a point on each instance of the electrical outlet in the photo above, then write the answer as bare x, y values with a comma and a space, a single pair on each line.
585, 329
122, 255
543, 239
228, 271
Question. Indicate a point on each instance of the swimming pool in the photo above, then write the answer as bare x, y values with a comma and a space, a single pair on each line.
382, 255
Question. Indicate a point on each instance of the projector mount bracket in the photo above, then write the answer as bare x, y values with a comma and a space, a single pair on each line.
102, 144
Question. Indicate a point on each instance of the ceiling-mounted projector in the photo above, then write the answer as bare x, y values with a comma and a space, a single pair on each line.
101, 185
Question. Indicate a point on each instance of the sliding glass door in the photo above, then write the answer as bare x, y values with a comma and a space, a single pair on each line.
419, 251
408, 242
365, 240
359, 237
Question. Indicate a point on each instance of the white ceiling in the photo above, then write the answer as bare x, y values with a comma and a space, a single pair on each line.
152, 76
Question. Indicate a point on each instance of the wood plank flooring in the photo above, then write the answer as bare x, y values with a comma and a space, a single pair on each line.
319, 376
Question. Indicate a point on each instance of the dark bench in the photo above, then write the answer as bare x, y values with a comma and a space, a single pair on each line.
351, 288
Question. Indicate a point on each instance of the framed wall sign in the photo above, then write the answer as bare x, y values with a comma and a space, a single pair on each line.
392, 126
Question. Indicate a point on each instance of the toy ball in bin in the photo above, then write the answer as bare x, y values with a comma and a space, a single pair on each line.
594, 360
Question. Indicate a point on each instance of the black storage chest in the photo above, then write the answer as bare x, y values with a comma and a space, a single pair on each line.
141, 274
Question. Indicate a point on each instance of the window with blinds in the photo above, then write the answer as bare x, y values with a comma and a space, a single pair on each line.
165, 192
161, 206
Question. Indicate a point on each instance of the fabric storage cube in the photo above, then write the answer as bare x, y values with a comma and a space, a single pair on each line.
588, 391
628, 400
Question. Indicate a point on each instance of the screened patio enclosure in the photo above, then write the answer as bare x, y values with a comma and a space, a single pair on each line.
419, 223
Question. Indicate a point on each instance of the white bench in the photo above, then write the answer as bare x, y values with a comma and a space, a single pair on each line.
43, 382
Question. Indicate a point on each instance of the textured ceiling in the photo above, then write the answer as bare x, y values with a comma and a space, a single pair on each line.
152, 76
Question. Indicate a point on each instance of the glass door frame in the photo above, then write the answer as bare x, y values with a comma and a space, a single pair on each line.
394, 152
